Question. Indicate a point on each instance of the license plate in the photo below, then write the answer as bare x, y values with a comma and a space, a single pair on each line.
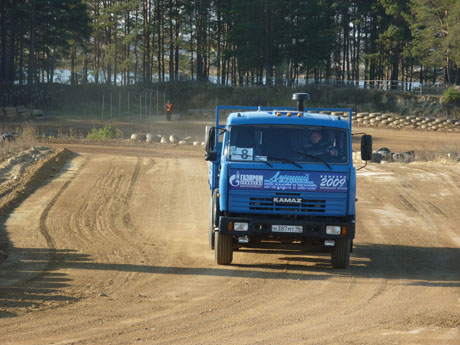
297, 229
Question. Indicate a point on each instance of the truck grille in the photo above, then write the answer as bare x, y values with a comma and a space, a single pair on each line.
312, 203
267, 204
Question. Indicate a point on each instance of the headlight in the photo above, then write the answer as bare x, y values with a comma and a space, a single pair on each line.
333, 230
241, 227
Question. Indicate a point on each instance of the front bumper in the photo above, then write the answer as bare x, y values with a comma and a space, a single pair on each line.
314, 228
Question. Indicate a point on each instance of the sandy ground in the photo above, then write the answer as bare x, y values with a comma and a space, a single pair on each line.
113, 250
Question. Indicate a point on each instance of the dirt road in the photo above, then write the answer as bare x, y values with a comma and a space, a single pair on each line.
113, 250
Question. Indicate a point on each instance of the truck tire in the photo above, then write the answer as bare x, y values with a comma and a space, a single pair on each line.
211, 224
340, 255
223, 248
214, 213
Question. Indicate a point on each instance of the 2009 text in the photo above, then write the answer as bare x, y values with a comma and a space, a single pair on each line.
333, 181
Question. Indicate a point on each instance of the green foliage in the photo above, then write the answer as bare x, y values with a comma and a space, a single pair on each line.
436, 28
451, 96
106, 132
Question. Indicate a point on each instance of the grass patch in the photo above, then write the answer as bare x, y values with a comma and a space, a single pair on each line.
446, 154
106, 132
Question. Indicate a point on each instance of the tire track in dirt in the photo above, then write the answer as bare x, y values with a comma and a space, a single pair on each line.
428, 260
28, 283
43, 229
127, 221
178, 295
45, 214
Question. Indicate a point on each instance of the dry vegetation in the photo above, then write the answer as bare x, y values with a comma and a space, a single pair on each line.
25, 136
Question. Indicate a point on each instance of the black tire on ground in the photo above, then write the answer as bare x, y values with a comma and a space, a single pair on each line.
376, 157
383, 149
340, 255
223, 248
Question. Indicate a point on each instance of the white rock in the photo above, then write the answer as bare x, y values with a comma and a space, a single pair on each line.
137, 136
173, 139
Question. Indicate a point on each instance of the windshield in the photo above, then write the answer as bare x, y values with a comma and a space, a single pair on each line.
298, 144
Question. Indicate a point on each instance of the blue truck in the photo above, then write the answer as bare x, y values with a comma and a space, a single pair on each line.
282, 178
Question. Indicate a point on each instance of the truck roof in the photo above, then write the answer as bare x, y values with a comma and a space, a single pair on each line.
286, 117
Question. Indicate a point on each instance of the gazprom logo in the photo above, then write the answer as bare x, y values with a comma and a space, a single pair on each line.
246, 180
235, 179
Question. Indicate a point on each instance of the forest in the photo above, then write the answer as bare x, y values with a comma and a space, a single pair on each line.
229, 42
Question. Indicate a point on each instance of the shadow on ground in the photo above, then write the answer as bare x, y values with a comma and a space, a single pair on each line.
420, 266
33, 282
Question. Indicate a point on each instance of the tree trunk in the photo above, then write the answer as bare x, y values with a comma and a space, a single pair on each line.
268, 47
31, 64
73, 80
395, 68
218, 43
171, 42
136, 55
159, 39
146, 40
176, 43
85, 68
4, 43
115, 50
191, 44
21, 60
127, 78
357, 55
11, 60
162, 44
421, 75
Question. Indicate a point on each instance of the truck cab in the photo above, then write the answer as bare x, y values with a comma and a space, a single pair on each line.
282, 178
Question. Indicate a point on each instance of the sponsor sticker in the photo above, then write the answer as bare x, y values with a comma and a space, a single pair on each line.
279, 180
244, 181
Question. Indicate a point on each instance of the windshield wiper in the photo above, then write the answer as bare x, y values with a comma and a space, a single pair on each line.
285, 160
314, 157
257, 159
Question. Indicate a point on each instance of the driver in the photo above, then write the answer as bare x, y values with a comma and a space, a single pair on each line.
319, 146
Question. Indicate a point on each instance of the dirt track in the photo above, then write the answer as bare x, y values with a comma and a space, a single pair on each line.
114, 250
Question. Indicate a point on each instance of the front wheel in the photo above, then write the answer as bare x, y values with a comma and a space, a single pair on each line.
213, 219
211, 224
340, 255
223, 248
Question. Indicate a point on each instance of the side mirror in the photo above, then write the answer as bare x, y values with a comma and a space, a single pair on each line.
366, 147
210, 153
210, 156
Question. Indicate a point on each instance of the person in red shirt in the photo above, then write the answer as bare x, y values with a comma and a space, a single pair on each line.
168, 107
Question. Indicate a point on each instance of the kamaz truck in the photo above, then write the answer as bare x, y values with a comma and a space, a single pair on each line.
282, 178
